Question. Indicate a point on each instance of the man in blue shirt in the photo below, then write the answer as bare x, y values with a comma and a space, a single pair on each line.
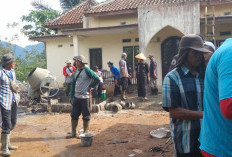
115, 71
183, 96
216, 133
8, 102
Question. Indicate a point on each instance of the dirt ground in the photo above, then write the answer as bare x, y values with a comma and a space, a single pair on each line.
44, 135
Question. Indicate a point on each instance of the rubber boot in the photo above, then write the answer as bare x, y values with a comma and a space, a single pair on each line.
11, 147
74, 127
5, 141
86, 126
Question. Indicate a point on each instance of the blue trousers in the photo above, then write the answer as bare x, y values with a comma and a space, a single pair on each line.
9, 118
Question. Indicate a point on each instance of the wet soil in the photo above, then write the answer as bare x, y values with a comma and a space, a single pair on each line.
115, 135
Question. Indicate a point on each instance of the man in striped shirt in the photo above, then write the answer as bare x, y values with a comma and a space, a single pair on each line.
8, 102
183, 96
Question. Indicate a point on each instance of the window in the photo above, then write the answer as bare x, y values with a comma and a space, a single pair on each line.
126, 40
227, 13
95, 58
122, 23
136, 39
225, 33
71, 45
60, 45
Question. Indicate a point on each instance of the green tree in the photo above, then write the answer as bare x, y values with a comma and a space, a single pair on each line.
39, 5
68, 4
31, 61
36, 20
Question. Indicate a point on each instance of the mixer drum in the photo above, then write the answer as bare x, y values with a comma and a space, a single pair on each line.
36, 76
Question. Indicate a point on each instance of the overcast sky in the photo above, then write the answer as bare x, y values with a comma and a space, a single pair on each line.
12, 10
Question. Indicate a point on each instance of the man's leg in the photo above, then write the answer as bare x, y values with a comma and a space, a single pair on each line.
14, 109
85, 114
6, 127
75, 113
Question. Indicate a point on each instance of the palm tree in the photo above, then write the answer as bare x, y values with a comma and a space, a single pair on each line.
39, 5
68, 4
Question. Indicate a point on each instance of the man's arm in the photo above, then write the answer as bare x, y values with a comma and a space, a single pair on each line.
93, 76
72, 91
226, 108
64, 71
185, 114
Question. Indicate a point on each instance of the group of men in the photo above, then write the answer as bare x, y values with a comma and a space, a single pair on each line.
142, 73
199, 99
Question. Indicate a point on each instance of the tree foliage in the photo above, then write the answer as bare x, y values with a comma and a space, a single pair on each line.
36, 20
68, 4
38, 5
24, 66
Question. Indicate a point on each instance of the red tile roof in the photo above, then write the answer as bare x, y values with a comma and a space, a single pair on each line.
120, 5
72, 17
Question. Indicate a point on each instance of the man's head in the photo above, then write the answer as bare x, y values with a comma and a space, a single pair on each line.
8, 61
95, 68
124, 55
68, 62
151, 57
110, 64
191, 50
80, 61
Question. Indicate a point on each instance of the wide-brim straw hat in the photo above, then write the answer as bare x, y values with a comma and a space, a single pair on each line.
140, 56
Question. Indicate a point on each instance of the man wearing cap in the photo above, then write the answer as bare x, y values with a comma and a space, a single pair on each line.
210, 46
216, 132
115, 71
123, 75
84, 80
183, 96
142, 75
153, 75
8, 102
68, 72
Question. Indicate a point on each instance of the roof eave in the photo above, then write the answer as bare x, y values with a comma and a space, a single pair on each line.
110, 13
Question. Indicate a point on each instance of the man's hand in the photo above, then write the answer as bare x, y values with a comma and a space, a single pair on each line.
70, 74
115, 82
148, 79
71, 100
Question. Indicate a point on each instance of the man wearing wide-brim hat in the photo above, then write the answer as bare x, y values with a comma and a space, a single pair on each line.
183, 96
84, 80
68, 72
142, 75
8, 102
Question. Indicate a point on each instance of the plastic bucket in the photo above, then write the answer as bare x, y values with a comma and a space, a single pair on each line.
86, 139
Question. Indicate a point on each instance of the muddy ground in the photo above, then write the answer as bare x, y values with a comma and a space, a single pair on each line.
44, 135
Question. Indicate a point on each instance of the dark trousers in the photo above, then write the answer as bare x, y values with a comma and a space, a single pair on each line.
67, 89
9, 118
142, 86
124, 83
98, 90
80, 106
193, 154
117, 90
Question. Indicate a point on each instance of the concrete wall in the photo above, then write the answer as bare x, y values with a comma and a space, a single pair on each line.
114, 20
218, 28
183, 16
111, 45
56, 56
219, 10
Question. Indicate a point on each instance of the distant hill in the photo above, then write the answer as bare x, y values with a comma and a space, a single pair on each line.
20, 51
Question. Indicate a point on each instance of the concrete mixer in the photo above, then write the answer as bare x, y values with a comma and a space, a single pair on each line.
41, 83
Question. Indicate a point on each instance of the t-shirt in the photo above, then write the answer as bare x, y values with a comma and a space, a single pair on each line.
216, 132
123, 68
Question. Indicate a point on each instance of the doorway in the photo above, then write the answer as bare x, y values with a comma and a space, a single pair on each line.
169, 48
131, 52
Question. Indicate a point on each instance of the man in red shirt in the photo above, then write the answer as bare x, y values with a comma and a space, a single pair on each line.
68, 72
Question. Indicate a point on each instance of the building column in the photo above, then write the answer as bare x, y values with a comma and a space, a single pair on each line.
75, 45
